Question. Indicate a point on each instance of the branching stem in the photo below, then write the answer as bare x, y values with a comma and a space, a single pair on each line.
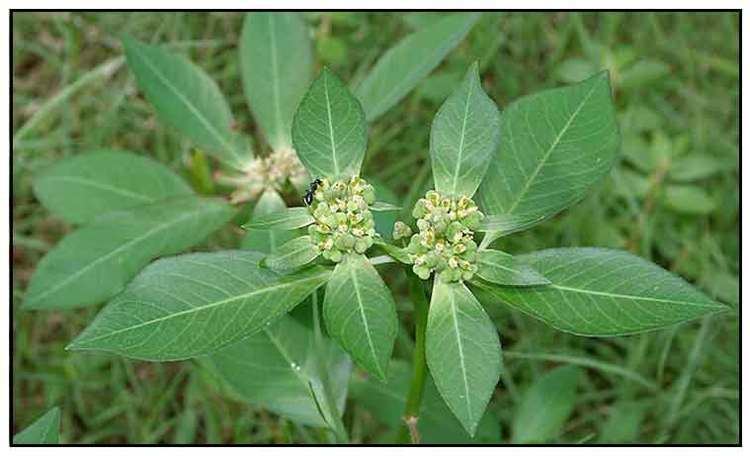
416, 389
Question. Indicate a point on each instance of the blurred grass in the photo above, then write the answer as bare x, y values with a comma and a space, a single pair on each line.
674, 198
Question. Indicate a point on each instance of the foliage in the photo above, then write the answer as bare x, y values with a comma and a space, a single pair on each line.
228, 298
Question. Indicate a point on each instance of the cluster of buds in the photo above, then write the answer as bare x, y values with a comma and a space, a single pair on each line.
445, 242
343, 221
270, 172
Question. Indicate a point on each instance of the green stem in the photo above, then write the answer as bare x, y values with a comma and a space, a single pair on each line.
416, 389
337, 425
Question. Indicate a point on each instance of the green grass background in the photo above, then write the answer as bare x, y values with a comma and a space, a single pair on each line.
674, 198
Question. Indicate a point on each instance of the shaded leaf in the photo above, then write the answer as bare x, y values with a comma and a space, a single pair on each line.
83, 187
292, 255
261, 240
289, 219
186, 99
276, 65
602, 292
194, 304
554, 146
401, 68
386, 401
464, 135
688, 199
697, 166
276, 369
95, 262
360, 314
329, 129
44, 431
623, 423
546, 406
463, 352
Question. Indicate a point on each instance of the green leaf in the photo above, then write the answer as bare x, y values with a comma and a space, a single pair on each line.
624, 422
194, 304
464, 135
292, 255
642, 74
504, 269
95, 262
380, 206
401, 68
546, 406
267, 241
698, 166
329, 129
186, 99
44, 431
360, 314
463, 352
437, 425
602, 292
289, 219
399, 254
83, 187
276, 369
688, 199
276, 64
554, 146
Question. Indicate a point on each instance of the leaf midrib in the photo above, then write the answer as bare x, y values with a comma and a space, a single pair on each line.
360, 306
187, 103
330, 126
461, 355
461, 142
397, 88
552, 147
205, 307
275, 78
624, 296
124, 246
101, 186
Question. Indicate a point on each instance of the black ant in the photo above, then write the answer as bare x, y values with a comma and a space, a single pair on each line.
311, 191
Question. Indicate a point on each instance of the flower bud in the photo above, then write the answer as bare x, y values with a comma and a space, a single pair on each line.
401, 230
445, 242
343, 221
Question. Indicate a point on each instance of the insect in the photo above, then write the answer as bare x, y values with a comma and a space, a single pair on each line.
311, 191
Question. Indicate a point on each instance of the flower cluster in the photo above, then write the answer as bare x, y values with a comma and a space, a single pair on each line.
343, 221
445, 242
270, 172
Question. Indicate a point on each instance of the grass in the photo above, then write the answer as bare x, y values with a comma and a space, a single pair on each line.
673, 199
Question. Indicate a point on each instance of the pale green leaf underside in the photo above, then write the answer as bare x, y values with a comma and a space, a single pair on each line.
401, 68
329, 129
292, 255
266, 241
380, 206
504, 269
601, 292
186, 99
463, 352
546, 406
95, 262
276, 369
288, 219
554, 145
83, 187
44, 431
194, 304
276, 65
360, 314
464, 135
386, 401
